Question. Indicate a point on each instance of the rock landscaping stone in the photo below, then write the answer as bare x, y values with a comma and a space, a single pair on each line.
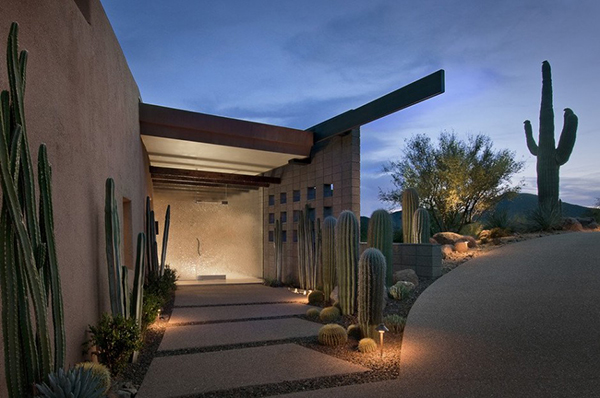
210, 314
220, 334
191, 374
461, 247
408, 275
451, 238
571, 224
334, 296
447, 250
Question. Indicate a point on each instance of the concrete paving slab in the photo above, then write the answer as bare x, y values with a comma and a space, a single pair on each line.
210, 314
178, 375
198, 295
217, 334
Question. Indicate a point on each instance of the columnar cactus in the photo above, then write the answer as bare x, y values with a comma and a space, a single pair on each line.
163, 255
29, 272
329, 277
381, 236
307, 255
278, 251
371, 288
549, 157
410, 203
347, 236
421, 226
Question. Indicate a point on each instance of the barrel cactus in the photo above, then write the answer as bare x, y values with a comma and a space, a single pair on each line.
367, 345
549, 156
99, 371
421, 226
381, 236
371, 288
328, 256
410, 202
333, 335
347, 235
354, 332
329, 314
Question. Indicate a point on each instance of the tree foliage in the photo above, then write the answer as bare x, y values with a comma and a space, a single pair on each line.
456, 180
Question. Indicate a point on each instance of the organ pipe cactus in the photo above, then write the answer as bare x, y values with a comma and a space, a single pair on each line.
307, 258
421, 226
410, 202
347, 235
549, 157
163, 255
29, 272
278, 251
381, 236
329, 276
371, 288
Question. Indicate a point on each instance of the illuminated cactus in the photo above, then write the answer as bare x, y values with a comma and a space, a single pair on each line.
381, 236
278, 251
329, 276
371, 288
410, 203
163, 254
549, 157
347, 235
307, 270
421, 226
29, 272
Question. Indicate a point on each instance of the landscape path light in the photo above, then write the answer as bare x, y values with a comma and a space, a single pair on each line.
381, 329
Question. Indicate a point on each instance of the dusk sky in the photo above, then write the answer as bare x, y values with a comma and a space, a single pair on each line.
297, 63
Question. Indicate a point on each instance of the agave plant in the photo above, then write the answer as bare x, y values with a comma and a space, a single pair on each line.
74, 383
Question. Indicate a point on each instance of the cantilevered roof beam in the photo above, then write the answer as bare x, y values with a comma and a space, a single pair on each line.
415, 92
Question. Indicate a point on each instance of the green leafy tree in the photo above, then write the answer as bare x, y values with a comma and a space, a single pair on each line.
456, 180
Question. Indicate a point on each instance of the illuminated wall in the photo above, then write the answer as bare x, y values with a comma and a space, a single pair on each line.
230, 235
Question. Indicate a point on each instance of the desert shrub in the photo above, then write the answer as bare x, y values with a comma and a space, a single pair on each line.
150, 307
545, 218
498, 219
332, 335
330, 314
401, 290
74, 383
498, 233
472, 229
99, 371
116, 339
395, 323
272, 282
162, 285
316, 297
313, 313
354, 332
367, 345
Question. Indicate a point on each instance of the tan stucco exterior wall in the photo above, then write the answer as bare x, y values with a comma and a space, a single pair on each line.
337, 162
82, 101
230, 235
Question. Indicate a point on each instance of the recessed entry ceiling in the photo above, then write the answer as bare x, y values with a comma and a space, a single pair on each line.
188, 155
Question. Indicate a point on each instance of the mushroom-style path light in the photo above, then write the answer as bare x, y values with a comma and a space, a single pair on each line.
381, 329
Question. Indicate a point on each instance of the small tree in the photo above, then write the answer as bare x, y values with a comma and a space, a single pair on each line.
456, 180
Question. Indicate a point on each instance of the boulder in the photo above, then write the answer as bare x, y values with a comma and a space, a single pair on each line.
447, 250
334, 296
407, 275
585, 221
451, 238
571, 224
592, 225
461, 246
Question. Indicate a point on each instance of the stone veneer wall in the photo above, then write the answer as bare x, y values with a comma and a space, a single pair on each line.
230, 235
82, 101
337, 162
424, 258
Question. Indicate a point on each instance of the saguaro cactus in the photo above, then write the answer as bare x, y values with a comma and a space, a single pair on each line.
421, 226
307, 259
549, 157
410, 202
381, 236
347, 236
29, 274
278, 251
329, 277
371, 288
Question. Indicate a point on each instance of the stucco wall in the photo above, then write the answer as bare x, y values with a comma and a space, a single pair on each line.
337, 162
230, 235
82, 101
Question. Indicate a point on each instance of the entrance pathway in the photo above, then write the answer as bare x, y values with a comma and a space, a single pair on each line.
523, 321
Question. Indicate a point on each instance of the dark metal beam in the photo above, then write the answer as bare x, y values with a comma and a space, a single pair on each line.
223, 178
409, 95
192, 181
210, 187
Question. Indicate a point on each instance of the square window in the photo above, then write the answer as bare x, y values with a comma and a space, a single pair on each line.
271, 236
271, 218
296, 195
296, 215
283, 217
295, 235
311, 214
327, 211
282, 198
284, 236
271, 200
327, 190
311, 193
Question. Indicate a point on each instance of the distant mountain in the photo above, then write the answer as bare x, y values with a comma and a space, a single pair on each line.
520, 206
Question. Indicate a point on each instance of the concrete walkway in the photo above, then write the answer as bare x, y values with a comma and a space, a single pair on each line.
523, 321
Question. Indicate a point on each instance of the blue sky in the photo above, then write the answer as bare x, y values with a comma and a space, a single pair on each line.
297, 63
